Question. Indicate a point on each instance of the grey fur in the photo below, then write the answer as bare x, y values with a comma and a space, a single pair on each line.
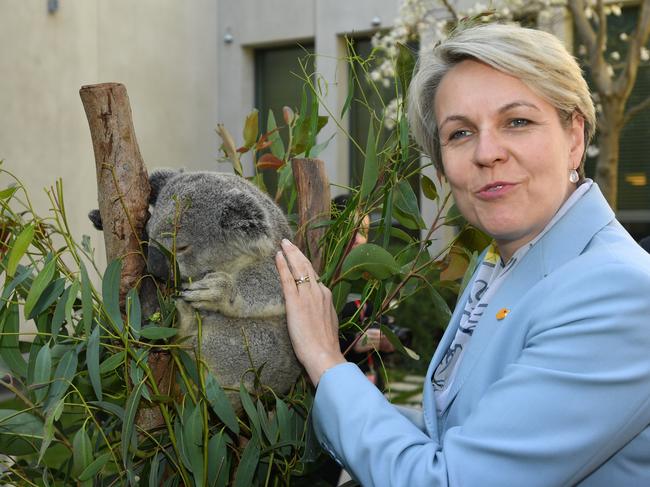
227, 234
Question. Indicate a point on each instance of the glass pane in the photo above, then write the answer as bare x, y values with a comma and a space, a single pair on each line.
278, 83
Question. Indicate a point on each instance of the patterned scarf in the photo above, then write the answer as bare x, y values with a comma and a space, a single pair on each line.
488, 279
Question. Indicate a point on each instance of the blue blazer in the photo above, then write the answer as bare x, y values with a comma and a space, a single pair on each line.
555, 394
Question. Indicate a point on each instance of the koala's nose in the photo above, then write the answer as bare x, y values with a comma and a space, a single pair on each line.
157, 263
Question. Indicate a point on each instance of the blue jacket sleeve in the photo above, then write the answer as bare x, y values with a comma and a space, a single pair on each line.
576, 393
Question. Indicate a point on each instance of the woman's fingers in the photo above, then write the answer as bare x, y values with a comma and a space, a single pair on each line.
299, 265
311, 321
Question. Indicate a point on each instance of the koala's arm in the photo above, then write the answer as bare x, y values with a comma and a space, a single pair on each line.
252, 292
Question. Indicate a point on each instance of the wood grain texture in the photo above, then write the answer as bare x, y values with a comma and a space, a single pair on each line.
313, 190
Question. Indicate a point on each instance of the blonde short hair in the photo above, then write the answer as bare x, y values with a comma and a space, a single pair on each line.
535, 57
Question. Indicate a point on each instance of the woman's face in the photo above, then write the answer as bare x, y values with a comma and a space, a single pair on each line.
505, 152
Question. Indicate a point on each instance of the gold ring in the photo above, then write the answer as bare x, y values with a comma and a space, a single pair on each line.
301, 280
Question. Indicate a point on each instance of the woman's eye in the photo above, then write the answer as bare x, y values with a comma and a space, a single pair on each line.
182, 248
518, 122
459, 134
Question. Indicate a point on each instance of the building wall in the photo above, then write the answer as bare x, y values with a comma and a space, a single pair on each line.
251, 24
165, 54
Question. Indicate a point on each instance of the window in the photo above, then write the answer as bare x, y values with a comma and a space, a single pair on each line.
278, 84
634, 164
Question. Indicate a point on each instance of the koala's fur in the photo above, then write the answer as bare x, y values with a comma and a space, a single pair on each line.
226, 235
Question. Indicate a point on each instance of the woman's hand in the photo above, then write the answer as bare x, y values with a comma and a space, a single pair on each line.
372, 339
311, 318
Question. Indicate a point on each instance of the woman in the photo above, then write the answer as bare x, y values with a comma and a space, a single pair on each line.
543, 375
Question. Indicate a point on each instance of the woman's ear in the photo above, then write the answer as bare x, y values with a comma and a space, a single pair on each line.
577, 134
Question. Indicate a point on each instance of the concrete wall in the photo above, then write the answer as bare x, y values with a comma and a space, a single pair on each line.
165, 54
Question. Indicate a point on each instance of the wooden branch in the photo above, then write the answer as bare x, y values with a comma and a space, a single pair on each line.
313, 206
123, 195
635, 110
122, 181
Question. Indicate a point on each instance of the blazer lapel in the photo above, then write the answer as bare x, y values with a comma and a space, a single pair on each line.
564, 241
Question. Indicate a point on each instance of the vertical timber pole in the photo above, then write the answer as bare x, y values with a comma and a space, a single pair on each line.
313, 191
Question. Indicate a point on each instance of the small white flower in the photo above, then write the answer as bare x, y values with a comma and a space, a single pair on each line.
593, 151
582, 50
645, 54
588, 12
623, 36
610, 70
375, 75
616, 10
615, 56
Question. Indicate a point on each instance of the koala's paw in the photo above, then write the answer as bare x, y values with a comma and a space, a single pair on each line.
212, 293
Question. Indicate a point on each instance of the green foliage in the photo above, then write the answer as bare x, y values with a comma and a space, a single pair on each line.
82, 379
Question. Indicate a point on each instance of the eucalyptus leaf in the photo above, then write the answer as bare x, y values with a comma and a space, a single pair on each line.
251, 126
23, 274
392, 338
156, 470
220, 404
371, 259
109, 407
59, 314
48, 428
112, 362
111, 294
63, 376
128, 426
250, 409
41, 281
86, 299
193, 439
429, 188
20, 432
219, 467
134, 313
7, 193
247, 464
91, 470
9, 342
157, 332
92, 362
42, 372
18, 249
82, 453
406, 202
284, 425
370, 165
277, 146
49, 296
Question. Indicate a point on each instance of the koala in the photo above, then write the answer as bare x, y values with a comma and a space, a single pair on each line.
225, 233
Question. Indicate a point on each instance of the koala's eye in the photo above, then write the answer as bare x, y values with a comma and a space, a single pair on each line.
182, 248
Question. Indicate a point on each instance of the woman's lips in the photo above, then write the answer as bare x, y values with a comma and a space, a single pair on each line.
495, 190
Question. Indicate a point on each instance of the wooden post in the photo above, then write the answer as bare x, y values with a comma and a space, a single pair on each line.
313, 191
122, 181
123, 195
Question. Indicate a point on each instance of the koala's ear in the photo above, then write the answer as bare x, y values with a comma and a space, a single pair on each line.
157, 180
241, 212
96, 219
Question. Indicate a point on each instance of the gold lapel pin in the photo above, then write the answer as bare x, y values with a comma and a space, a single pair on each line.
502, 313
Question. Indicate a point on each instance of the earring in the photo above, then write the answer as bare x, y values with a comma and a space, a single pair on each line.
573, 176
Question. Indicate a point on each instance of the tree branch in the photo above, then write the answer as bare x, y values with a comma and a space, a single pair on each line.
451, 10
635, 110
626, 80
593, 43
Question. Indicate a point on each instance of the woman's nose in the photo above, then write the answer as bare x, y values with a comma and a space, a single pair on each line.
489, 149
